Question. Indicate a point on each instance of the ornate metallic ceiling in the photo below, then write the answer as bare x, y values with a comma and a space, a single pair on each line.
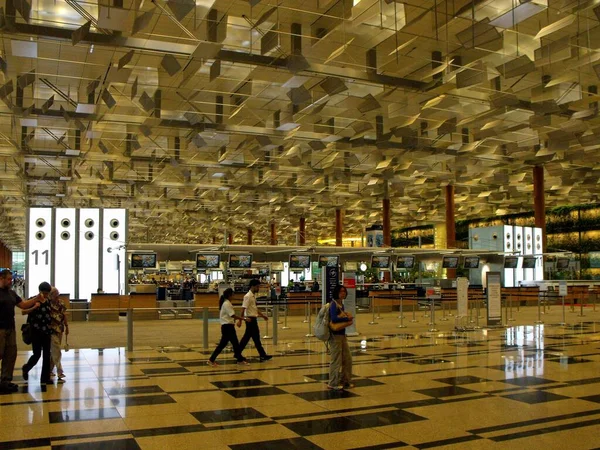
196, 116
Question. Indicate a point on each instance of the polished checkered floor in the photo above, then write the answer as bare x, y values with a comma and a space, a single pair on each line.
521, 387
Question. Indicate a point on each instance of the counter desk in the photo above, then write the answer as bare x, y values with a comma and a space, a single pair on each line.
104, 301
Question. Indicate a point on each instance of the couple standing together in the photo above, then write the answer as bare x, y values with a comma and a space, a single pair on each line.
228, 318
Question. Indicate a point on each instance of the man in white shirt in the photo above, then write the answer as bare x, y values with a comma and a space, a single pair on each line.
250, 312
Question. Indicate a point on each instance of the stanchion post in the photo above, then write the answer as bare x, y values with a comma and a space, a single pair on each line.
539, 311
510, 319
275, 322
401, 316
378, 310
306, 313
372, 322
433, 328
267, 336
444, 318
581, 313
285, 325
414, 308
564, 314
130, 330
205, 327
309, 334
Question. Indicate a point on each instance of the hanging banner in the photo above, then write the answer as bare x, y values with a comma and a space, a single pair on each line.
350, 302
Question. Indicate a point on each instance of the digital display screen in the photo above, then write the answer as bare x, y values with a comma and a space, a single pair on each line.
207, 260
529, 262
329, 260
380, 262
143, 260
237, 261
511, 262
299, 262
471, 262
562, 263
405, 262
450, 262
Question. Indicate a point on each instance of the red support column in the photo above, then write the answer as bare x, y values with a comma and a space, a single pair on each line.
273, 234
249, 236
338, 227
302, 231
450, 225
230, 238
214, 240
387, 232
539, 202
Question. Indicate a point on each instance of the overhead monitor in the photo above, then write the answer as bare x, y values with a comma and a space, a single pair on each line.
380, 261
471, 262
562, 263
143, 260
405, 262
329, 260
187, 269
450, 262
511, 262
299, 262
529, 262
240, 261
207, 260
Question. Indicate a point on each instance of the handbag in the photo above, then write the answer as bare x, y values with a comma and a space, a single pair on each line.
337, 326
26, 333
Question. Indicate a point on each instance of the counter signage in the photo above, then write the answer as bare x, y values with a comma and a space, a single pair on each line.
562, 288
331, 276
494, 313
350, 302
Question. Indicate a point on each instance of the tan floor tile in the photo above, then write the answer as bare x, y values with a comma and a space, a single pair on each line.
21, 415
207, 401
351, 439
87, 427
420, 431
169, 420
288, 409
150, 410
10, 433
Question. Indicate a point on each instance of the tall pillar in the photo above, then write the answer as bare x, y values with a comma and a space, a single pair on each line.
450, 225
249, 236
214, 240
273, 234
338, 227
387, 232
230, 238
539, 202
302, 231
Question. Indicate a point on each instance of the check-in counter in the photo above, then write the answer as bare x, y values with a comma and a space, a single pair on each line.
141, 300
390, 300
104, 301
142, 289
297, 301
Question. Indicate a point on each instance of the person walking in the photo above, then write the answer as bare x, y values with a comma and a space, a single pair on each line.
59, 325
250, 313
8, 335
227, 318
340, 368
39, 319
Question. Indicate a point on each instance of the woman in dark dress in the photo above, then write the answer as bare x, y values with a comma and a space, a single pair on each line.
39, 319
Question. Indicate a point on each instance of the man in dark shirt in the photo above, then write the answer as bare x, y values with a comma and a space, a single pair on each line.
8, 336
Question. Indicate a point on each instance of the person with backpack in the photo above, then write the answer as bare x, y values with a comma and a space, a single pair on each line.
340, 368
227, 318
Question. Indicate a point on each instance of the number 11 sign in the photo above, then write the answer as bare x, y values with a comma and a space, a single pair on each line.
39, 248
